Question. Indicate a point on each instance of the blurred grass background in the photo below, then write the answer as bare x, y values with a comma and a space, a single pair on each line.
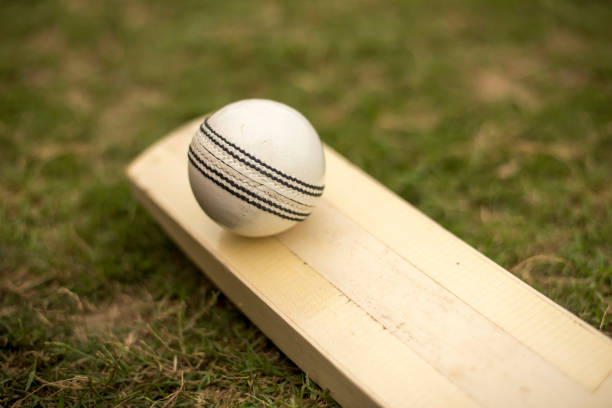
492, 117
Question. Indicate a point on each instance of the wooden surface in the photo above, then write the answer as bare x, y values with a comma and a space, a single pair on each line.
380, 304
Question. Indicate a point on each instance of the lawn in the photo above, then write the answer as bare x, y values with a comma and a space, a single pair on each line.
492, 117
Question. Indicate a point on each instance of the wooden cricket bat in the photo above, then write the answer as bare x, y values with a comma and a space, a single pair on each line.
378, 303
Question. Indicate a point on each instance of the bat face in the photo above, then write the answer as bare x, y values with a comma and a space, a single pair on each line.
384, 307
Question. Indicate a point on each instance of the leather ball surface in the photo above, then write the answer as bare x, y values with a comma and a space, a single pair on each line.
256, 167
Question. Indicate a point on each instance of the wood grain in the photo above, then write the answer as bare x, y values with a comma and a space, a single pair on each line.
562, 338
380, 304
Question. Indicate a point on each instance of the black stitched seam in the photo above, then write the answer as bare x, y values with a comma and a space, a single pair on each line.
243, 189
240, 196
280, 173
201, 146
265, 173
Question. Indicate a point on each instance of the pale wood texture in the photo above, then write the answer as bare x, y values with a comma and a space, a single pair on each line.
380, 304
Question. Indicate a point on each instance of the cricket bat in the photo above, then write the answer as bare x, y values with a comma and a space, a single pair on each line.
380, 304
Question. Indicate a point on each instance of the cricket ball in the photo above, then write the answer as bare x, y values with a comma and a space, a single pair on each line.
256, 167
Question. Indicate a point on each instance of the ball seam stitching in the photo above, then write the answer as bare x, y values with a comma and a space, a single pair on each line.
237, 194
243, 168
257, 168
218, 163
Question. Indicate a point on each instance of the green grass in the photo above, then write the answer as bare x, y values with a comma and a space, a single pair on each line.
494, 118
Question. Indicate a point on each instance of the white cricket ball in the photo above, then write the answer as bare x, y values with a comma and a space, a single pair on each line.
256, 167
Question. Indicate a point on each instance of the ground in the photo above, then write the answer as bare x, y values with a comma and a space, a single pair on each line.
493, 118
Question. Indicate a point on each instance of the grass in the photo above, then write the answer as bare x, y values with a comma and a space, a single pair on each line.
492, 117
